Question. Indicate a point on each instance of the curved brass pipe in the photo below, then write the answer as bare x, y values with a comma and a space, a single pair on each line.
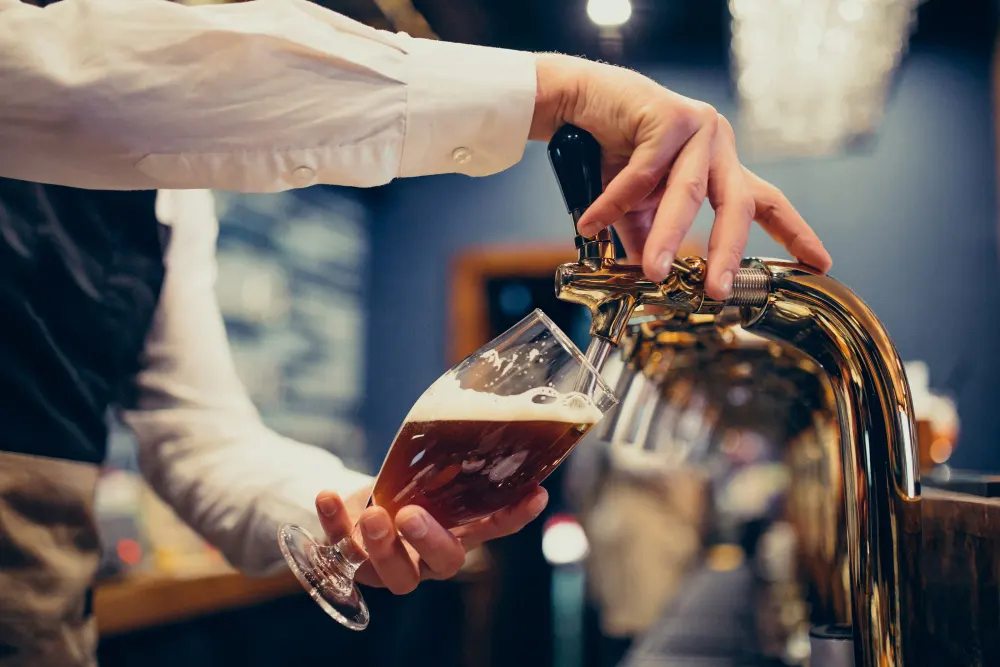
825, 320
821, 318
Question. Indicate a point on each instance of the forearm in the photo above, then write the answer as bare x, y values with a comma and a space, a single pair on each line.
235, 482
258, 96
202, 444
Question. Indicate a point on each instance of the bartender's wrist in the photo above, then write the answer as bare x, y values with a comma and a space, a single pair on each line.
560, 80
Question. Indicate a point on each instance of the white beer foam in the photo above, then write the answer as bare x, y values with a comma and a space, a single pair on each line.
446, 400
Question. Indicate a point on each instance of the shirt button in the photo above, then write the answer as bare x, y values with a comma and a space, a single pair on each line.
461, 155
303, 175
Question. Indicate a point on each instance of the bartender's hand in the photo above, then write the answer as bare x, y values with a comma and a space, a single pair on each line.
663, 155
428, 551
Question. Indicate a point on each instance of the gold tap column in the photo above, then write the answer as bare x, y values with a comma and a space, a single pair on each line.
827, 321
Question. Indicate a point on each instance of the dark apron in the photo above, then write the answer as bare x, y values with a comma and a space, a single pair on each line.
80, 277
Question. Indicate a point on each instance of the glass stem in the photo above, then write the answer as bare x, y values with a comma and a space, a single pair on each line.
338, 562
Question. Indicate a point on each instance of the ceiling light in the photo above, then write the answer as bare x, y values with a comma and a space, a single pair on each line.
609, 13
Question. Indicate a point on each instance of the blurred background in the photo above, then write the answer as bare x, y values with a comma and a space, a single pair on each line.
876, 117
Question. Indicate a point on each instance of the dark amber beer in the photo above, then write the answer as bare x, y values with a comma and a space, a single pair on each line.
463, 470
463, 455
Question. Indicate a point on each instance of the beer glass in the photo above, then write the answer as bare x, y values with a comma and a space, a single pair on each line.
478, 440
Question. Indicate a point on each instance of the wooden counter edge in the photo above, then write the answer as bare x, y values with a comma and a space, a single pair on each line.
140, 603
945, 511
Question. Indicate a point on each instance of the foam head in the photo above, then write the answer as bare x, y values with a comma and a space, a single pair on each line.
446, 400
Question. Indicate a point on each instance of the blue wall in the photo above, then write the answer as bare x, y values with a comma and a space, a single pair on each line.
911, 224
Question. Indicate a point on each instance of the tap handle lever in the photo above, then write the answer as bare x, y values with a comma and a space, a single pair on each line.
576, 159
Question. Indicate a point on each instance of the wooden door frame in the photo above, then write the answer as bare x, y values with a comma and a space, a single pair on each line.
469, 326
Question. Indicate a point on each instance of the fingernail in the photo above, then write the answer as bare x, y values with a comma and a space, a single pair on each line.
374, 527
538, 503
328, 506
726, 282
414, 527
665, 263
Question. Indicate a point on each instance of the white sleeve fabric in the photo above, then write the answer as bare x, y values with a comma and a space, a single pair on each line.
258, 96
202, 445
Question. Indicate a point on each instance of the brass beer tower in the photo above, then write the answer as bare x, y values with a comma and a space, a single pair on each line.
821, 318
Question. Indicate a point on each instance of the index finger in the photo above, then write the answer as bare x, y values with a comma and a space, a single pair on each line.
505, 522
646, 168
734, 210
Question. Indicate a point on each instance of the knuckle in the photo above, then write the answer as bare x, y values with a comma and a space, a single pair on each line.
689, 115
711, 125
724, 125
702, 110
703, 116
645, 180
765, 211
694, 188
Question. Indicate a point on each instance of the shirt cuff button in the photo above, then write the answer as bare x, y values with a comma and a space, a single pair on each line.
461, 155
303, 175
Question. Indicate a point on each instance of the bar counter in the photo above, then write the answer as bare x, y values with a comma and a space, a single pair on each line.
146, 601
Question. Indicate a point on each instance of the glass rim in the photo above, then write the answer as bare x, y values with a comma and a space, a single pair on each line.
568, 345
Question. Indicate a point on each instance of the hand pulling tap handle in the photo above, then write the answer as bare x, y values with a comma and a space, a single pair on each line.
575, 156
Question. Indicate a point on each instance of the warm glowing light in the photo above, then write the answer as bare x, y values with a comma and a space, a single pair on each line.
609, 12
564, 542
940, 450
129, 551
725, 557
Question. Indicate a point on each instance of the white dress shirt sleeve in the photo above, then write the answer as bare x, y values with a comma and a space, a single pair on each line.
202, 445
258, 96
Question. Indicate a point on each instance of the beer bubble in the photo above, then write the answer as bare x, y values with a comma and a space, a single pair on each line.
544, 396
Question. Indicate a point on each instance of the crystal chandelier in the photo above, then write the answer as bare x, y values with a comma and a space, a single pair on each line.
812, 75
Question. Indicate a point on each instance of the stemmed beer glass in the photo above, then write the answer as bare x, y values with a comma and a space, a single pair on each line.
478, 440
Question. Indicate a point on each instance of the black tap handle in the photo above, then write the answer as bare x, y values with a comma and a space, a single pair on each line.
576, 158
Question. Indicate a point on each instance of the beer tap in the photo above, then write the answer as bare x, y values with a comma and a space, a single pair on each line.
797, 306
612, 290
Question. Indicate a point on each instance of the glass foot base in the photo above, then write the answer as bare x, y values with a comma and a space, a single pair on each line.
337, 595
